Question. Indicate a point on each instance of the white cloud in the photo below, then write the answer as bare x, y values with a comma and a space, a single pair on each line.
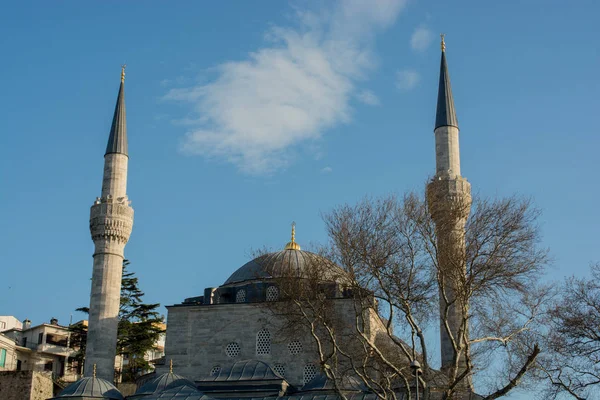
288, 92
367, 97
327, 170
407, 79
421, 38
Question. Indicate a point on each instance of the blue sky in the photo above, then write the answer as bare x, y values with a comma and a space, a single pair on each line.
245, 116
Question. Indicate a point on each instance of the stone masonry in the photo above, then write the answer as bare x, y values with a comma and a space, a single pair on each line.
25, 385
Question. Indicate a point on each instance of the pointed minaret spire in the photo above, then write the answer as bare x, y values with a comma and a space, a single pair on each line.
445, 115
117, 141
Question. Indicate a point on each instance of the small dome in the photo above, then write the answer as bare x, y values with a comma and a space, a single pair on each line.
91, 387
163, 382
286, 263
178, 393
246, 370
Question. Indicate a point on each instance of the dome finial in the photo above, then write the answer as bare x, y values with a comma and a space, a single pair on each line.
171, 366
443, 44
94, 371
123, 72
292, 245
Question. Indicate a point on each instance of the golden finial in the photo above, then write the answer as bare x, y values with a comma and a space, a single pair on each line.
171, 366
123, 72
94, 370
443, 42
292, 245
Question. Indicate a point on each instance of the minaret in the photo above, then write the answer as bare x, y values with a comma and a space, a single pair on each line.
111, 220
449, 200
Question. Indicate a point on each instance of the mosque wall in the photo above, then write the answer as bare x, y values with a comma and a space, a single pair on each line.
203, 338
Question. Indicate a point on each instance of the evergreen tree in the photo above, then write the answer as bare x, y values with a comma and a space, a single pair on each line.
140, 326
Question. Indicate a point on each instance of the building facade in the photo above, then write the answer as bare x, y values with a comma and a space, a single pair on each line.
43, 348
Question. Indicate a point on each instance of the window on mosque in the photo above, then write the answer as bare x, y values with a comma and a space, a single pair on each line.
310, 371
233, 350
240, 296
295, 347
280, 370
272, 293
263, 342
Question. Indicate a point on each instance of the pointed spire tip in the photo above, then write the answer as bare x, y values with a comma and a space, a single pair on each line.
443, 43
117, 140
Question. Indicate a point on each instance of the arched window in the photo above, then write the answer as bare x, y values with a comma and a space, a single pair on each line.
295, 347
279, 369
272, 293
263, 342
310, 371
240, 296
233, 350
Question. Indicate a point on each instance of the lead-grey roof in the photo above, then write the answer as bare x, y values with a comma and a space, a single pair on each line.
179, 393
445, 113
163, 382
245, 370
90, 387
285, 264
117, 141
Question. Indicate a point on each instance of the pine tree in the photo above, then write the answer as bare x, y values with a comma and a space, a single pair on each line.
140, 326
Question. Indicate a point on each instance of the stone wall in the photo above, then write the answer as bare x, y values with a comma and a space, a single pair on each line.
25, 385
198, 337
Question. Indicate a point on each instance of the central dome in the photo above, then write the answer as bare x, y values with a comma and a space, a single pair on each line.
288, 263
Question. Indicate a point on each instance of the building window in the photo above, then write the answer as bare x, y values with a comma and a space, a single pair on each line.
215, 370
41, 338
24, 340
295, 347
272, 293
263, 342
2, 357
56, 340
310, 371
2, 325
279, 370
232, 350
48, 366
240, 296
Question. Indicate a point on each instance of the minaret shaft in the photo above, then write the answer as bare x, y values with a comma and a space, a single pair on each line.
114, 182
447, 152
111, 222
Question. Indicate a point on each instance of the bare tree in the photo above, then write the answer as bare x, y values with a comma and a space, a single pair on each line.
370, 326
572, 365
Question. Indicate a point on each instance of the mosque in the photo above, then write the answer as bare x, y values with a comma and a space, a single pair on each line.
219, 344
